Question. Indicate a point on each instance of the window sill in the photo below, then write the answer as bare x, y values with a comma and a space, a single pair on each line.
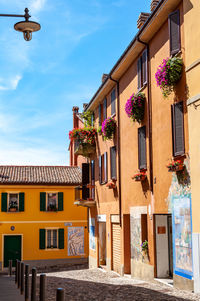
52, 249
179, 156
113, 115
103, 183
142, 88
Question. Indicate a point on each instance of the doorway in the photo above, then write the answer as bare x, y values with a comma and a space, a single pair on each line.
102, 243
164, 250
12, 249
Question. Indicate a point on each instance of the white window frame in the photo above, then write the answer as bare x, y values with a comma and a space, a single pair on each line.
8, 201
47, 194
46, 243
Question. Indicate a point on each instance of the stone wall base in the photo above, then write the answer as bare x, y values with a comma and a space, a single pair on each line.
92, 262
183, 283
142, 270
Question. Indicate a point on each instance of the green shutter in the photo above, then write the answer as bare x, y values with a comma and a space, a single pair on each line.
61, 238
42, 239
21, 201
42, 201
60, 201
4, 201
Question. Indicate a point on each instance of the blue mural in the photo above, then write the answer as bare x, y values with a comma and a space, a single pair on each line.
92, 243
179, 204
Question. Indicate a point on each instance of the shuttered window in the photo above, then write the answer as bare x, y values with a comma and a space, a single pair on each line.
21, 201
174, 32
142, 148
99, 169
100, 121
4, 197
93, 178
139, 72
61, 238
42, 239
103, 170
104, 109
178, 129
85, 180
51, 239
113, 170
42, 201
113, 98
60, 201
144, 67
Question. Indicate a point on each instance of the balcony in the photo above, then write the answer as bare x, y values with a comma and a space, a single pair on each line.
85, 200
83, 148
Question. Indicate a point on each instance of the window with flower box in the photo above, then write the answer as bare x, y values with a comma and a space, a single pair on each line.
142, 160
142, 70
178, 129
12, 202
102, 111
113, 169
51, 201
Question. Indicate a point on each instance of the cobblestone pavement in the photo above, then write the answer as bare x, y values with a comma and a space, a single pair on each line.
97, 284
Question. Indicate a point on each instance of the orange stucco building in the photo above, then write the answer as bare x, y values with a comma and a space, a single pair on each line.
158, 209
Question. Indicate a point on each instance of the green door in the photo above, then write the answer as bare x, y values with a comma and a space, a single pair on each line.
12, 249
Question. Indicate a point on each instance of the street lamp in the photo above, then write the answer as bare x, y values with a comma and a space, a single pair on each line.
27, 27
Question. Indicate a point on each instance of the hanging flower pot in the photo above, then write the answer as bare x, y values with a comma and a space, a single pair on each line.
84, 141
108, 128
140, 176
174, 166
168, 74
135, 107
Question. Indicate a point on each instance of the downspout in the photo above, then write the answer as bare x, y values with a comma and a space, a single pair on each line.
119, 150
149, 113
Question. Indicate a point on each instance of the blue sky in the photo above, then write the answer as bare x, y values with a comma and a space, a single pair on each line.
41, 80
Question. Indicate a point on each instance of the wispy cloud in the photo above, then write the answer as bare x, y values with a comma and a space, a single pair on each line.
9, 83
37, 5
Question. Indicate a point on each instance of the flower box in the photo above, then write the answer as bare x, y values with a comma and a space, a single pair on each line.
111, 185
12, 209
175, 166
139, 177
84, 149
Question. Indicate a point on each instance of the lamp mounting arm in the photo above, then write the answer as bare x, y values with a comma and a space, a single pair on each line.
26, 15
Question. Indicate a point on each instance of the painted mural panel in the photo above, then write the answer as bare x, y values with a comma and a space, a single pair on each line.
75, 241
92, 243
182, 234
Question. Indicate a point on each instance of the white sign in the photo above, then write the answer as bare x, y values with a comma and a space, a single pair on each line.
101, 218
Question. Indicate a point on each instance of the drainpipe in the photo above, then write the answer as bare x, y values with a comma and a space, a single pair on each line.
149, 113
119, 149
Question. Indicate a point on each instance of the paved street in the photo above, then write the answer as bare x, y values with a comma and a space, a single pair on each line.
96, 284
8, 289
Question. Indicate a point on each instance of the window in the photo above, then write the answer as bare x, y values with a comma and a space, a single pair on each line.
174, 32
93, 178
142, 69
12, 202
51, 239
113, 170
113, 98
178, 129
52, 204
103, 168
142, 148
85, 180
104, 109
51, 201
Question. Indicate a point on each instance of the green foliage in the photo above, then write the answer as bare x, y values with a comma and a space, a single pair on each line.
87, 117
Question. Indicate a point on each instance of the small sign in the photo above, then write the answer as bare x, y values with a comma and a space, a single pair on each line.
162, 230
12, 228
101, 218
68, 224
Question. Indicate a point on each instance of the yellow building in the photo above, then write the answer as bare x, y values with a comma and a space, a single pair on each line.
39, 222
192, 60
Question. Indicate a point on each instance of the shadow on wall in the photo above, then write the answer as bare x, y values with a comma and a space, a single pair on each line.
77, 290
